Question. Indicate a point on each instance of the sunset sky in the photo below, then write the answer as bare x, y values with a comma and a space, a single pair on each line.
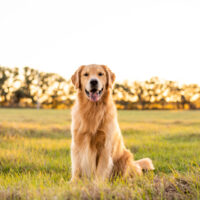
136, 39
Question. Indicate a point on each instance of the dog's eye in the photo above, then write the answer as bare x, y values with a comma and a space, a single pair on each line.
86, 74
100, 74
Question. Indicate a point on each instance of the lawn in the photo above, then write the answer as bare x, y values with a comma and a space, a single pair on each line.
35, 156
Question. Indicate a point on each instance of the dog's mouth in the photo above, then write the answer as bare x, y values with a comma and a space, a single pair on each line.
94, 94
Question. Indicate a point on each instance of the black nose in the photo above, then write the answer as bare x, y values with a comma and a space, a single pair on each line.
93, 82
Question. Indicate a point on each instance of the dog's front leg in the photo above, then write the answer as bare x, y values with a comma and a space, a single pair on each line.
76, 170
104, 165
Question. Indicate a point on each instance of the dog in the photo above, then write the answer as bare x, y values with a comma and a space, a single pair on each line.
97, 147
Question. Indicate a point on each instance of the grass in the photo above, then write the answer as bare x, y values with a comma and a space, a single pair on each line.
35, 156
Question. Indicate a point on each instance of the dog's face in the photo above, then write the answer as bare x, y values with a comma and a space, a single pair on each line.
93, 80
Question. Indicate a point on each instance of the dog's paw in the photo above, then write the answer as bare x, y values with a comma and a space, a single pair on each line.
145, 164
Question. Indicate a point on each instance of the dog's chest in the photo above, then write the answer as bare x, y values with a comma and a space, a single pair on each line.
87, 160
90, 150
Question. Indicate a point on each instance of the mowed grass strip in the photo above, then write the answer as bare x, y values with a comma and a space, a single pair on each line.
35, 156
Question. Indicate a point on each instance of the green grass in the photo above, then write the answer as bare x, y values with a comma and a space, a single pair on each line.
35, 156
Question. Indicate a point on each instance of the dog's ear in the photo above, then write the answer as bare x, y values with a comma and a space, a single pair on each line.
76, 77
110, 76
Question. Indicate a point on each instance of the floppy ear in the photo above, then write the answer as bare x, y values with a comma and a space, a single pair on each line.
110, 77
76, 78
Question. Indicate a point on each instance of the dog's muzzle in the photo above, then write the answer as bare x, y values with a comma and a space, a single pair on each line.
94, 94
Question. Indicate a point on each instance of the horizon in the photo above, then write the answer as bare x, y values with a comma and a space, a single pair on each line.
137, 40
116, 81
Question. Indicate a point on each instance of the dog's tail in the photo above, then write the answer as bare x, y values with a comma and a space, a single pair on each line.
145, 164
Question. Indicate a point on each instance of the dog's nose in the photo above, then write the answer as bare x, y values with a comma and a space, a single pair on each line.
93, 82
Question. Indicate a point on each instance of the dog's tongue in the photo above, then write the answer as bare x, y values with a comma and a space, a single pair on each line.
94, 96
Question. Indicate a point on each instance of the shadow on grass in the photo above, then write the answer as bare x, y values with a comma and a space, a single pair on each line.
53, 133
133, 132
175, 122
53, 153
32, 168
183, 137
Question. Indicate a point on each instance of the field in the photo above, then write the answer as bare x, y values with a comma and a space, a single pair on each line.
35, 156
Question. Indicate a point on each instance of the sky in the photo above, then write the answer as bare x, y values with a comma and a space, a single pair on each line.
136, 39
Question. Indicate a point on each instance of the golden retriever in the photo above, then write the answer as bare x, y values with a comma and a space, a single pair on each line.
97, 148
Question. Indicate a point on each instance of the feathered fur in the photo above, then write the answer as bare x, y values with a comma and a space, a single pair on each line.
97, 148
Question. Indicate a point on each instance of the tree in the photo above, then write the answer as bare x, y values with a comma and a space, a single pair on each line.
29, 86
8, 80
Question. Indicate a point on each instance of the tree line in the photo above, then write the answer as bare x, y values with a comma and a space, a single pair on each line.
29, 87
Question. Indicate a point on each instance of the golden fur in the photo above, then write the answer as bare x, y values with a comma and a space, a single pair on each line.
97, 148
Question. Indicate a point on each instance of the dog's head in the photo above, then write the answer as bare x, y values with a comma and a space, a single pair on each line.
93, 80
